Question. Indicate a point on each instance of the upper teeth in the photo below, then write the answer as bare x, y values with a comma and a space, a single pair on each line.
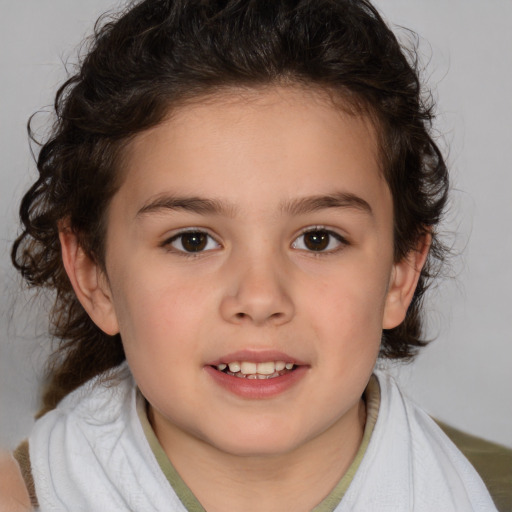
248, 367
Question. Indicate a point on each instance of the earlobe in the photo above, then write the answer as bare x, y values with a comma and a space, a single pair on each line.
404, 278
89, 282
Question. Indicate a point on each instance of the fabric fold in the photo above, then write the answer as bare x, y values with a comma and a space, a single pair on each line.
91, 454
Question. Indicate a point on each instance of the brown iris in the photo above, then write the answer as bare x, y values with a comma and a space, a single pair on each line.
316, 240
194, 241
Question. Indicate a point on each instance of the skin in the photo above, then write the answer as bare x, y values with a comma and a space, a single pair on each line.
257, 156
13, 493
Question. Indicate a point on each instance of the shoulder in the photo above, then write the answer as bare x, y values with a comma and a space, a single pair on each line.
14, 496
492, 462
407, 437
100, 399
81, 440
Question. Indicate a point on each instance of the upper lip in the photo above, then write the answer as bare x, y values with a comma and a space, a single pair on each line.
256, 356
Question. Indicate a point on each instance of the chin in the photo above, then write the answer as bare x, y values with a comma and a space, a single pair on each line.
256, 449
261, 443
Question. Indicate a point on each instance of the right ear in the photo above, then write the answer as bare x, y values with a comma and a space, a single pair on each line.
89, 282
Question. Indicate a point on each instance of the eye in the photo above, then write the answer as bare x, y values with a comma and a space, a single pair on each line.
192, 241
319, 240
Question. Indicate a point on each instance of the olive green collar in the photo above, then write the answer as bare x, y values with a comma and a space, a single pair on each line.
328, 504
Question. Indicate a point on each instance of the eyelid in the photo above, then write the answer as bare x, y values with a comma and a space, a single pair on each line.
167, 243
342, 241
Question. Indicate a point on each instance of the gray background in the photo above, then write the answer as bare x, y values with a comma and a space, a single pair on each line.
466, 46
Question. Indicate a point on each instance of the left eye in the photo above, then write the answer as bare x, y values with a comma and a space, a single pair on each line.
318, 240
193, 241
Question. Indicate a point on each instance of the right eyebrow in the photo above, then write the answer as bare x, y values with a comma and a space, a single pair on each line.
192, 204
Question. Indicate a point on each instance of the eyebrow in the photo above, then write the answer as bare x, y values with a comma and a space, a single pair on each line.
320, 202
298, 206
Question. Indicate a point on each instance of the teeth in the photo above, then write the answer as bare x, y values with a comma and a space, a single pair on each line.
248, 369
266, 368
234, 367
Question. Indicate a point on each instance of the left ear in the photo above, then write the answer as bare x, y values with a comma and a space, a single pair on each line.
404, 278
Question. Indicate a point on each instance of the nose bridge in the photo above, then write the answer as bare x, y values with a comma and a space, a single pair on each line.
257, 290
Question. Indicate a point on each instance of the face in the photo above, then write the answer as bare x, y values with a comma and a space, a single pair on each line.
250, 270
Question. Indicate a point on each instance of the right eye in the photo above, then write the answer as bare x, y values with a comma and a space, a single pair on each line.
192, 242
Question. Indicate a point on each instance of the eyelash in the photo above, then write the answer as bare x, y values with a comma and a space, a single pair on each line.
203, 241
202, 237
327, 236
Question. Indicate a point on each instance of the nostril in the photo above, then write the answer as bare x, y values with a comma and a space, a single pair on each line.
274, 316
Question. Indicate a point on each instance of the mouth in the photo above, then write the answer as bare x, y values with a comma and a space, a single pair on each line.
252, 371
257, 375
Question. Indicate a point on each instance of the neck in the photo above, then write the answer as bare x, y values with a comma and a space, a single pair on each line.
300, 478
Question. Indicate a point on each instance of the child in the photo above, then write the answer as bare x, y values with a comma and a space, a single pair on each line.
237, 211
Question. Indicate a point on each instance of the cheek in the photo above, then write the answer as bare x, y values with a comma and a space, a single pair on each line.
157, 312
352, 298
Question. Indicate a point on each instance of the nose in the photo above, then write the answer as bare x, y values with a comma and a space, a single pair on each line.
257, 293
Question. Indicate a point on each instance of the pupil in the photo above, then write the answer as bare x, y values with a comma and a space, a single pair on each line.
316, 240
194, 242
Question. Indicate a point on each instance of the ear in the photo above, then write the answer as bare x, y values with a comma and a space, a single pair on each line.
89, 282
404, 278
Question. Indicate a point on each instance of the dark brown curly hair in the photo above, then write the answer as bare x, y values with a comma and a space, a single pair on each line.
159, 54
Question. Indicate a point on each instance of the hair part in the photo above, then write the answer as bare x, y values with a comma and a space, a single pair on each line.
160, 54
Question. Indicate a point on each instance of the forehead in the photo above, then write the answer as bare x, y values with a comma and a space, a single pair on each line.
254, 146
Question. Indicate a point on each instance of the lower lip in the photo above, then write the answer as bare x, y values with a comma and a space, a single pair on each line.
257, 389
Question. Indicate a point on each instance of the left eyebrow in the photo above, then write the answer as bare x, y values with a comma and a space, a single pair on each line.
310, 204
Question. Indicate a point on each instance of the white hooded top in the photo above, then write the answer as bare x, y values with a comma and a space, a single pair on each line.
90, 454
